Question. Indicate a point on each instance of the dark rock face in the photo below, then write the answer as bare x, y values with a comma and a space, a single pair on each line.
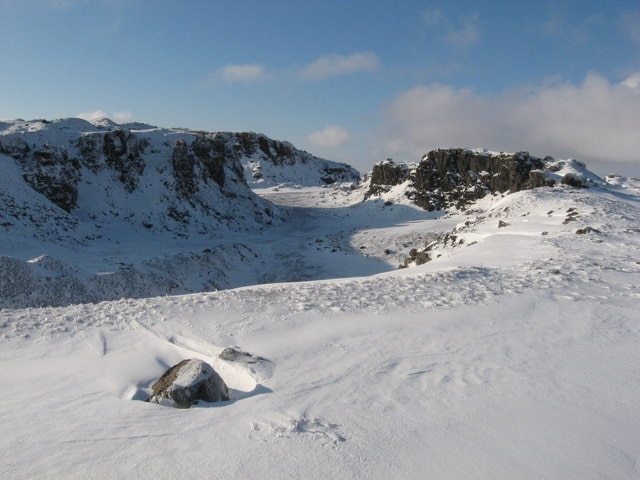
271, 158
573, 180
52, 174
386, 173
183, 168
212, 152
455, 177
583, 231
187, 382
16, 147
123, 152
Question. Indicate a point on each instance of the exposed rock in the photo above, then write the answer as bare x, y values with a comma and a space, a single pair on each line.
538, 178
187, 382
416, 257
272, 161
183, 168
123, 151
582, 231
502, 224
14, 146
573, 180
50, 172
454, 177
230, 354
385, 174
212, 152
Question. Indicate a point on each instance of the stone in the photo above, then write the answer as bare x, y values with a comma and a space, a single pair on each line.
585, 230
187, 382
573, 180
230, 354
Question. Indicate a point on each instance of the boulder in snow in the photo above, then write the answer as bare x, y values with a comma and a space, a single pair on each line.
230, 354
187, 382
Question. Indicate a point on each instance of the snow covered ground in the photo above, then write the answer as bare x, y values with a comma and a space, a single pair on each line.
514, 353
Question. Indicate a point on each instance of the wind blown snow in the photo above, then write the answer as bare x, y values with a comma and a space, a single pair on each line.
513, 354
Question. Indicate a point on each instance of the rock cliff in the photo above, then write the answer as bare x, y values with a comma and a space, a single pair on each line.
447, 178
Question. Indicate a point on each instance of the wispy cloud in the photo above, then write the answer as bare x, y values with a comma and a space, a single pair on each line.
118, 117
576, 31
460, 32
245, 73
432, 17
595, 121
335, 65
330, 136
466, 36
630, 25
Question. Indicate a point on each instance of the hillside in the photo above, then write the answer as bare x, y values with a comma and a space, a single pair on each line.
97, 211
510, 354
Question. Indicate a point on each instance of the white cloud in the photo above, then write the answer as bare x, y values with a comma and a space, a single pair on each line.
246, 73
595, 121
333, 65
466, 36
632, 81
329, 136
118, 117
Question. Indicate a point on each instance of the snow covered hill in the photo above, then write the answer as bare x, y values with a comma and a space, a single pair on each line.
97, 211
506, 348
512, 353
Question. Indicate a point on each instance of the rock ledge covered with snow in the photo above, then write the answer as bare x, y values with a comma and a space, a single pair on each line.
455, 177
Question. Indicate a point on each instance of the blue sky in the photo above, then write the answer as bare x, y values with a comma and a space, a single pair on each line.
353, 81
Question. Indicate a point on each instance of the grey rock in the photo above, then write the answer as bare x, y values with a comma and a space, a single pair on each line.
230, 354
455, 177
585, 230
573, 180
183, 163
14, 146
123, 152
187, 382
49, 171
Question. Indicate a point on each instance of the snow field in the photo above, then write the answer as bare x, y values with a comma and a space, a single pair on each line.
512, 357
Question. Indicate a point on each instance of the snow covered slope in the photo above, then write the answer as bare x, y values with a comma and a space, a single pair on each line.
98, 211
512, 353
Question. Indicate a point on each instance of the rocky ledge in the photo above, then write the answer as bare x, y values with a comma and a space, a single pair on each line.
455, 177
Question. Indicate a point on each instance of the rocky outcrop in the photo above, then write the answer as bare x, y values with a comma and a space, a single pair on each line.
230, 354
272, 162
447, 178
14, 146
183, 163
212, 152
186, 383
123, 152
49, 171
387, 173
